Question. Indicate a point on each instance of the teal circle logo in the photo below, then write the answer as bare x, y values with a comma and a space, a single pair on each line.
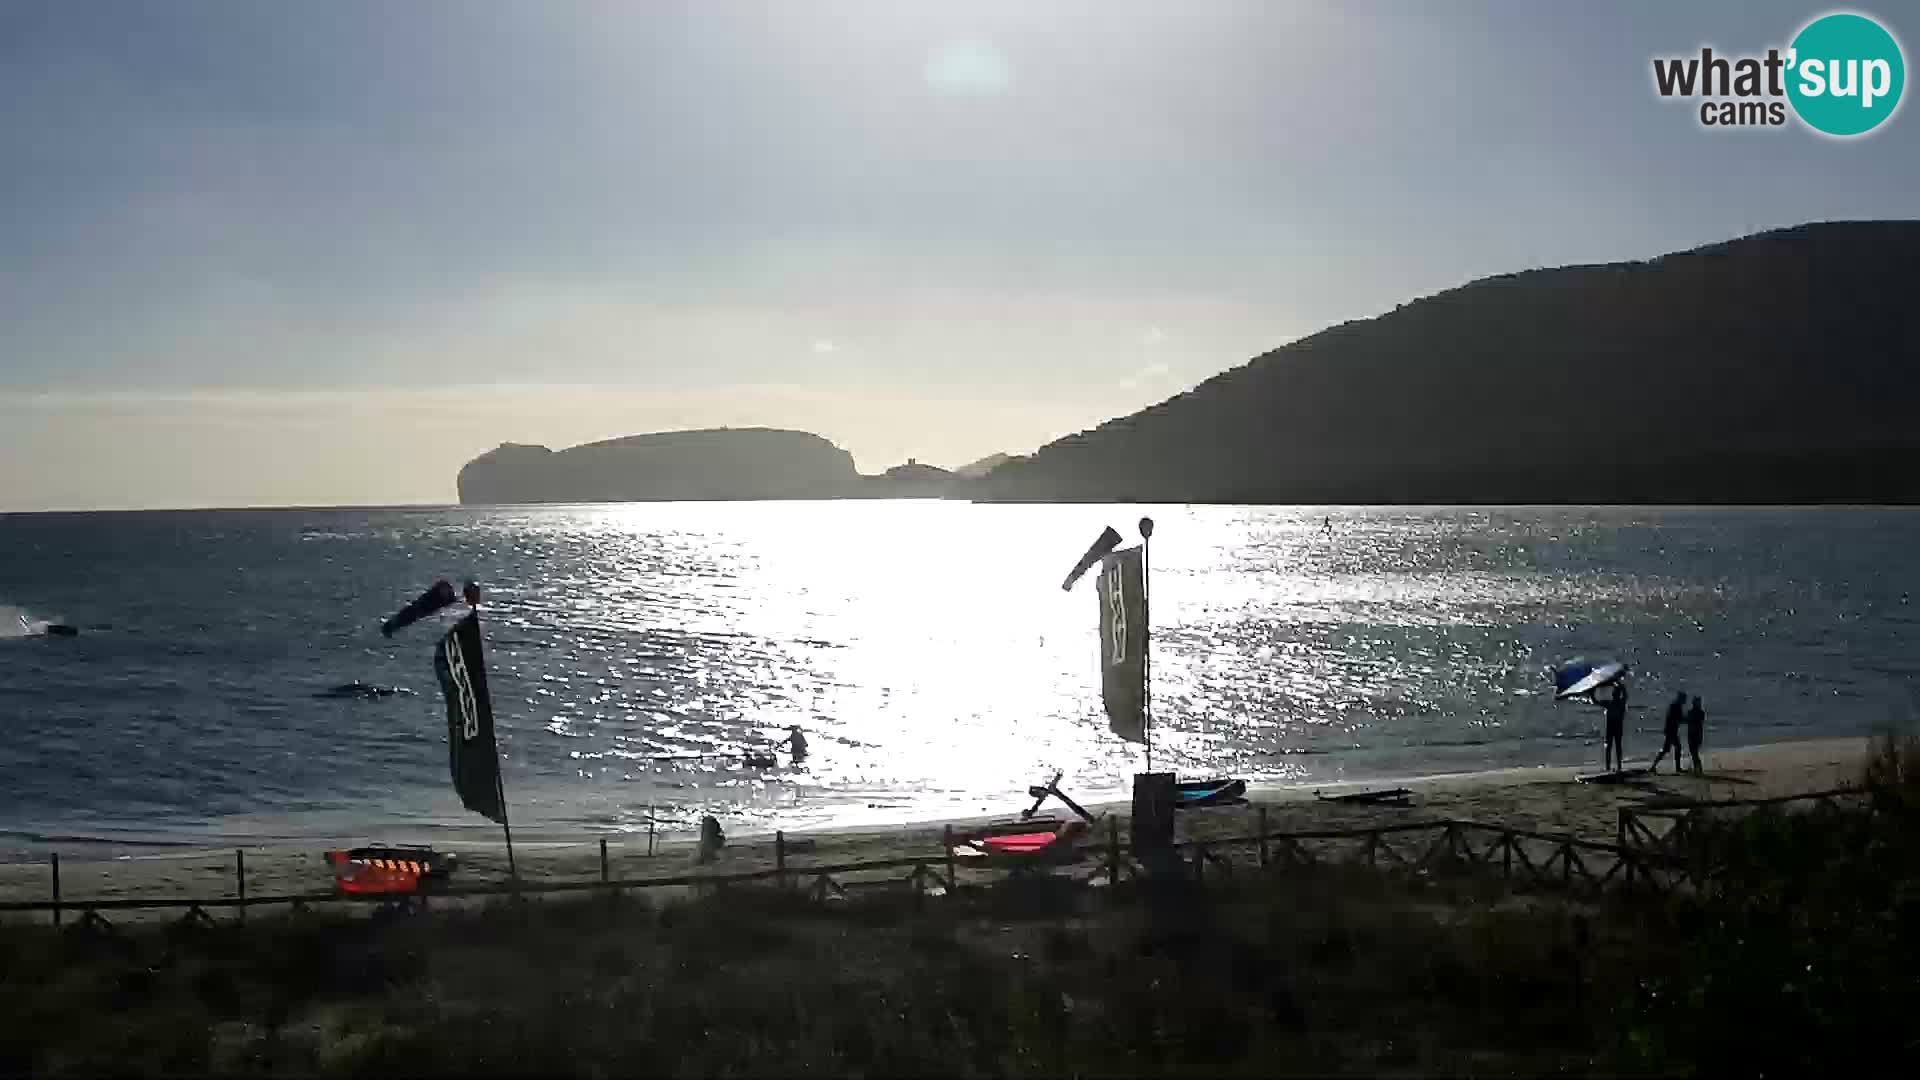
1846, 74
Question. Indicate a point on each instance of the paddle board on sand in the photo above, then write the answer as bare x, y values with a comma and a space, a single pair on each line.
1196, 793
1395, 795
1617, 776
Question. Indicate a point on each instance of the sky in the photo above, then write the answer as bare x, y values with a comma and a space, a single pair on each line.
324, 253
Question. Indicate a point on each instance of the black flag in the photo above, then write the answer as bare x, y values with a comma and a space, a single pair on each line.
435, 598
470, 750
1123, 642
1106, 543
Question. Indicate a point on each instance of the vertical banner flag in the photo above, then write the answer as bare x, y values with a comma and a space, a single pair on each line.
1108, 540
440, 596
1123, 642
470, 750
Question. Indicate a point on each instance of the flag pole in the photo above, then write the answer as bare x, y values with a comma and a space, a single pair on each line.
499, 784
1146, 652
500, 787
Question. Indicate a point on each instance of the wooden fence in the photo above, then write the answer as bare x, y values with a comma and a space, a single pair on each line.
1675, 830
1643, 858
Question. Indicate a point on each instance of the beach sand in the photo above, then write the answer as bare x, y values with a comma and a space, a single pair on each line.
1547, 800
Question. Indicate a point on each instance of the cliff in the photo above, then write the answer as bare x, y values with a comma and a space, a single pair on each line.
715, 464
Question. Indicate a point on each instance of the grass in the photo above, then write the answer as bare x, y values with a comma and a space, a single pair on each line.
1327, 971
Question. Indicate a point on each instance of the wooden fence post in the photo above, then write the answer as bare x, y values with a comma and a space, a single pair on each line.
649, 830
1113, 851
1263, 837
605, 871
780, 856
240, 881
946, 845
56, 888
1627, 825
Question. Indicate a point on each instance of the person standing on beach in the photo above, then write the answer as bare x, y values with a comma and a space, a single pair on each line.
1615, 754
1696, 730
1676, 712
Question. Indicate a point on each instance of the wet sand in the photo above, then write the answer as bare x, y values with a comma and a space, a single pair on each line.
1547, 800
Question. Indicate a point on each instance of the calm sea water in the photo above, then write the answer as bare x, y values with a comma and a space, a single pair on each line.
925, 647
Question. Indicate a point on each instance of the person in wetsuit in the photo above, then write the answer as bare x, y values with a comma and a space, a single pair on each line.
1615, 754
1676, 712
1696, 730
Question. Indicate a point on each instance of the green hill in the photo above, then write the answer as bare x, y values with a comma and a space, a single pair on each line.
1777, 368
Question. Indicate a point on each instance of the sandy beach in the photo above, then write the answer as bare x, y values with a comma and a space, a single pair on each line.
1547, 800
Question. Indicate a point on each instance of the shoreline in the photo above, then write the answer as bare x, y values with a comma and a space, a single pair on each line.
1541, 798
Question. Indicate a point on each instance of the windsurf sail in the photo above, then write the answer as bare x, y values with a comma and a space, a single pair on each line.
1034, 846
1576, 678
1122, 594
471, 754
376, 871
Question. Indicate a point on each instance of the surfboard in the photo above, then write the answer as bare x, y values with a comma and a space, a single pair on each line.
1399, 796
1617, 776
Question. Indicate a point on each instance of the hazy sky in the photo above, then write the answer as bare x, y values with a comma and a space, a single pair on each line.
260, 253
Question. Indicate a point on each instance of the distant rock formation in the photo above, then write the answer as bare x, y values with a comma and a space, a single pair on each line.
712, 464
913, 480
1778, 368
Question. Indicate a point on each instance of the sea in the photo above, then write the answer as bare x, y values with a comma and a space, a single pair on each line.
925, 648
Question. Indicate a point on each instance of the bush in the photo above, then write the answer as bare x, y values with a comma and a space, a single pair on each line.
1797, 956
1891, 774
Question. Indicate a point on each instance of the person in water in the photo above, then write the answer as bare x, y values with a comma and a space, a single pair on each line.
796, 741
1696, 730
1615, 754
1676, 712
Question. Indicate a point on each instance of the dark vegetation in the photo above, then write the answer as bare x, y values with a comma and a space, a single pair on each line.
1335, 972
1796, 957
1803, 955
1772, 369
